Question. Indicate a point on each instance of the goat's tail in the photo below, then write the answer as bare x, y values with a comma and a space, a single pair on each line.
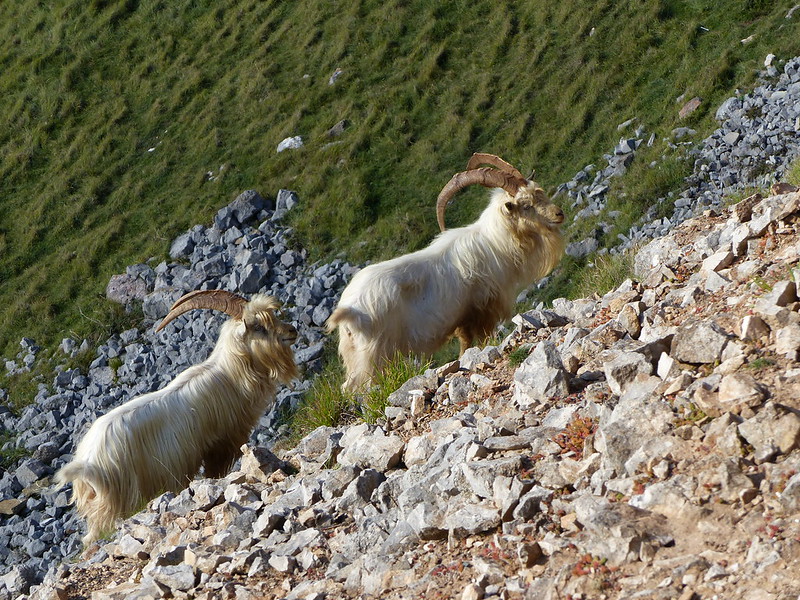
94, 497
347, 314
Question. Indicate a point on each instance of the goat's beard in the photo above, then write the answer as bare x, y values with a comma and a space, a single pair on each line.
275, 360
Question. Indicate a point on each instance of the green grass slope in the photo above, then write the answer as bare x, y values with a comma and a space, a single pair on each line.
113, 113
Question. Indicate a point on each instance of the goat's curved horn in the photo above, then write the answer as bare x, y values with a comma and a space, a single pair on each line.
481, 158
222, 300
487, 177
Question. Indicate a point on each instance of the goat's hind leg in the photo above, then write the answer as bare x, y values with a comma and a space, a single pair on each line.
464, 339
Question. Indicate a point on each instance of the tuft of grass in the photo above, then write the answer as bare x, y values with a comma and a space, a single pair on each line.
517, 356
645, 189
760, 363
584, 277
12, 454
399, 370
739, 195
23, 387
326, 405
606, 274
792, 174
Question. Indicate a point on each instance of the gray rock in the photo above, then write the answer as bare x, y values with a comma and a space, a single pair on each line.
623, 532
637, 418
532, 502
459, 388
282, 564
130, 547
175, 577
125, 289
698, 342
773, 425
582, 248
624, 369
248, 205
251, 278
472, 357
338, 129
412, 388
426, 520
259, 463
480, 474
156, 305
285, 201
541, 376
662, 251
471, 519
182, 246
739, 390
206, 495
337, 481
367, 446
790, 496
31, 471
787, 341
736, 485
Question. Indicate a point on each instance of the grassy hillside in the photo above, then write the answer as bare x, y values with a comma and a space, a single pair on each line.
113, 113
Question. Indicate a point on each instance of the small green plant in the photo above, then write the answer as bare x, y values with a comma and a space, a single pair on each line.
760, 363
115, 363
792, 174
762, 283
575, 434
11, 454
690, 415
517, 356
447, 353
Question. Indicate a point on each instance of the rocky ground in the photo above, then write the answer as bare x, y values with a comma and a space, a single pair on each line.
645, 444
756, 140
636, 445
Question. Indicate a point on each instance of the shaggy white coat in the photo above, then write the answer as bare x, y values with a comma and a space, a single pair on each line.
464, 283
157, 442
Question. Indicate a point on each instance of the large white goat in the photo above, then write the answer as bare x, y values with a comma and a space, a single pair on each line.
158, 441
463, 284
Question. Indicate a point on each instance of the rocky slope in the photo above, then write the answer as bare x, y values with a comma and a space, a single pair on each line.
488, 477
647, 445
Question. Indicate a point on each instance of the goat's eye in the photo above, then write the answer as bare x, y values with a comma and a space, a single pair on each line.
256, 327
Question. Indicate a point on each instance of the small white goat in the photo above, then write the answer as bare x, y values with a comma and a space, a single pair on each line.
158, 441
464, 283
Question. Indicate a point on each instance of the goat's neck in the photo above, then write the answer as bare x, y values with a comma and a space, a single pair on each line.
237, 371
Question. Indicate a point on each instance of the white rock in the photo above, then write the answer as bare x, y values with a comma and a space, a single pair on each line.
290, 143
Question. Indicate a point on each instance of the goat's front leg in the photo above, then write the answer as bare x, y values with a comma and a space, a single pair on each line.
220, 457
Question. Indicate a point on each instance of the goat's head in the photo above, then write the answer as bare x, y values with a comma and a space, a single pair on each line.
525, 203
263, 339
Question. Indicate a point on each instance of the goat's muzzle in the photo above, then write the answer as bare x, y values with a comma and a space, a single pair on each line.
289, 334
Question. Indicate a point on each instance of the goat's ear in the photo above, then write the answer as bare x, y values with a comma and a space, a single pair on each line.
254, 325
509, 208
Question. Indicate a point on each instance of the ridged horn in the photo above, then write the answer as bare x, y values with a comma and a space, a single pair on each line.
222, 300
481, 158
486, 176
